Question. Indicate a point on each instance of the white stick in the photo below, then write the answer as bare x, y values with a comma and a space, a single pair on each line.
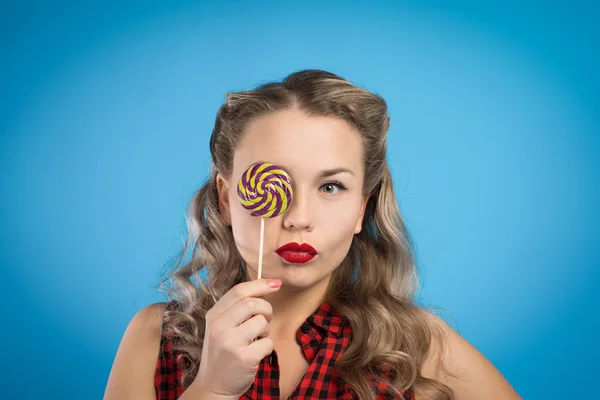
260, 249
260, 252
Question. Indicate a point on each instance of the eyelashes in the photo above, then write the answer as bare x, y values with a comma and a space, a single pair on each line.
337, 184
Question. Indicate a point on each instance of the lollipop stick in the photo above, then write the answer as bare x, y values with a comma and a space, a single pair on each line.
260, 248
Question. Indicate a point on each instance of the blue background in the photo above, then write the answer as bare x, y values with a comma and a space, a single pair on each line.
105, 114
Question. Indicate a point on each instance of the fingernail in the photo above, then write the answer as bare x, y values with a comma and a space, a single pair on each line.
274, 283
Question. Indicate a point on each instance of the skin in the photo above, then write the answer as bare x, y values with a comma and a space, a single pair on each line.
321, 213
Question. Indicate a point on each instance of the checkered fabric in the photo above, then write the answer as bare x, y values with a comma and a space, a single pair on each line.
323, 337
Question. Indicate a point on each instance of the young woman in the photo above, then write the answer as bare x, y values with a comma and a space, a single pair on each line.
331, 319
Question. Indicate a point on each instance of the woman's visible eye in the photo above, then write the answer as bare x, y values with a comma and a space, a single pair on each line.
330, 187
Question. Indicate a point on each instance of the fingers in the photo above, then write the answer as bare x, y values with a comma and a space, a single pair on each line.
246, 308
261, 348
257, 326
255, 288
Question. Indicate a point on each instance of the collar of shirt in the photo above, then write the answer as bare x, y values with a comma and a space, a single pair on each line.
322, 321
326, 319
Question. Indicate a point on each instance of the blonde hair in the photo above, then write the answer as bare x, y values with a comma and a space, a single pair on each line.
390, 331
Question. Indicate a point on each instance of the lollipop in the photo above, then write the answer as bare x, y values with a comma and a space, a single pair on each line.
266, 190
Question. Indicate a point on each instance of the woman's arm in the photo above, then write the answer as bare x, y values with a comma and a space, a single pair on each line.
134, 367
476, 377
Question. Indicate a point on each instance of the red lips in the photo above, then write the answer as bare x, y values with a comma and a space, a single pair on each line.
296, 253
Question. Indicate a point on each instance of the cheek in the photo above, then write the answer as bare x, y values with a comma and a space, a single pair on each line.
246, 234
337, 223
244, 226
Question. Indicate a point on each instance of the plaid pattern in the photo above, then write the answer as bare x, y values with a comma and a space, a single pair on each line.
323, 337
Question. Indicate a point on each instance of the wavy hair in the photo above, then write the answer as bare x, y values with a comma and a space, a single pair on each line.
390, 330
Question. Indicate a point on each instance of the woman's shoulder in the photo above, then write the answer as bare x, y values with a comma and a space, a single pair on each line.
455, 362
152, 311
134, 366
147, 323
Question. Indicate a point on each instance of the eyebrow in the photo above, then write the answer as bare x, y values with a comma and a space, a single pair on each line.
324, 173
329, 172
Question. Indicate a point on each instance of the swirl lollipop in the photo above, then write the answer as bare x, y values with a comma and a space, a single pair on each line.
266, 190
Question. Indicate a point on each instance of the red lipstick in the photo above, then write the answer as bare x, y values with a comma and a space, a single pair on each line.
296, 253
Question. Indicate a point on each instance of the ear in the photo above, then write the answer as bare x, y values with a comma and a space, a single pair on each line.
363, 206
224, 206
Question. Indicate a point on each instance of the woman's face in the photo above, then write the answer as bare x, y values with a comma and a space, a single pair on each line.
323, 156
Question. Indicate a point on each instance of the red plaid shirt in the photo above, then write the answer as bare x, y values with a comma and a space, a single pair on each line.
323, 336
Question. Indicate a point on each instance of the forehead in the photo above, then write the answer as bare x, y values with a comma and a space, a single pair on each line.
300, 143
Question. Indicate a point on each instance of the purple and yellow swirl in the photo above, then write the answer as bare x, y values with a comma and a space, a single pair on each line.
265, 189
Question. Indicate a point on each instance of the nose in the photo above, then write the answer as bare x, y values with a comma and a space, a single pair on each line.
297, 216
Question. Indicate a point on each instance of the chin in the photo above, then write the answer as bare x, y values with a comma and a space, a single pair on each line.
300, 277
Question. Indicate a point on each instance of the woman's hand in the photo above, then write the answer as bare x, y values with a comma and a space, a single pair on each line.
230, 356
